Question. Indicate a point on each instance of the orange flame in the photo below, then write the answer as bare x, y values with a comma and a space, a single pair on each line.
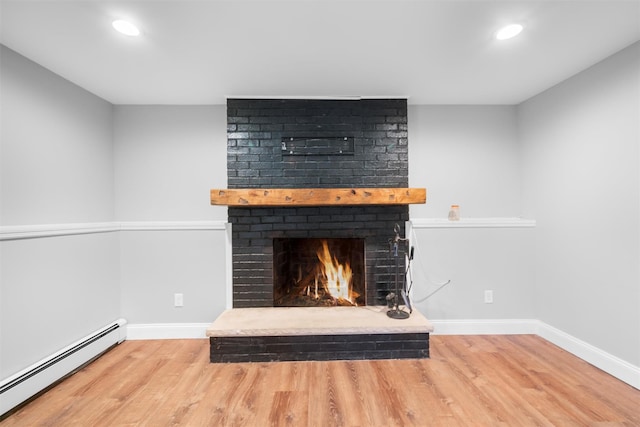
338, 276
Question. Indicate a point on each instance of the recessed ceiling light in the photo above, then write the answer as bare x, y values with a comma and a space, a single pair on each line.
509, 31
125, 27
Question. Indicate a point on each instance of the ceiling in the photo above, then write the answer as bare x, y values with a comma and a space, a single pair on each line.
432, 52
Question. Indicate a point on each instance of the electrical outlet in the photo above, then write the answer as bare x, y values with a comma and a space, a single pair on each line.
178, 300
488, 297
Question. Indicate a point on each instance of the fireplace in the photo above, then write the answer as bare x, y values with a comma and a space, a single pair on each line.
316, 190
255, 229
318, 272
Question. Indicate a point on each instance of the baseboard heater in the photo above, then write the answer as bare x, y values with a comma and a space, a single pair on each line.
25, 384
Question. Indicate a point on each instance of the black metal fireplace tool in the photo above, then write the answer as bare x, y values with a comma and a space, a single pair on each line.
392, 299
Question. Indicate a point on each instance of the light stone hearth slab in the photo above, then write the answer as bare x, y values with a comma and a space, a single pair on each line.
279, 321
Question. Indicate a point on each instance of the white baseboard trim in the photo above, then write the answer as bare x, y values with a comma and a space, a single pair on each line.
158, 331
484, 326
609, 363
166, 331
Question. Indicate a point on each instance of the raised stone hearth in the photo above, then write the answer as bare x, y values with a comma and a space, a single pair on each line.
316, 333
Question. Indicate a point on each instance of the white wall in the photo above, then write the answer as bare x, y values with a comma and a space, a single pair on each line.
581, 183
167, 158
469, 155
56, 148
465, 155
475, 260
56, 167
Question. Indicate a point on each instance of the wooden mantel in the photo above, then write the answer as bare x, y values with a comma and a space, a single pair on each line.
258, 197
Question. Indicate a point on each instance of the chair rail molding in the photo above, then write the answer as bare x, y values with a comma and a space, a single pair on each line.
489, 222
17, 232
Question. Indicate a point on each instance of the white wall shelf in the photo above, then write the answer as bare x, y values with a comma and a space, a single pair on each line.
16, 232
419, 223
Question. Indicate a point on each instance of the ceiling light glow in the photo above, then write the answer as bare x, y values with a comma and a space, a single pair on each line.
126, 28
509, 31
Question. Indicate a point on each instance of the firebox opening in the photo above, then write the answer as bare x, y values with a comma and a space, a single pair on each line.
318, 272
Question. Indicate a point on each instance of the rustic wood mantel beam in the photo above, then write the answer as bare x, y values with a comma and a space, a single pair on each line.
250, 197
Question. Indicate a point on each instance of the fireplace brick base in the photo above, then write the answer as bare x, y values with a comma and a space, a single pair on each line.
316, 333
319, 347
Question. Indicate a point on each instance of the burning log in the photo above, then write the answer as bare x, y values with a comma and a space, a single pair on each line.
325, 282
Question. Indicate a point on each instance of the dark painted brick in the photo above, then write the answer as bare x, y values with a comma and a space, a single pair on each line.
397, 134
264, 121
253, 127
247, 172
237, 135
237, 120
320, 347
396, 119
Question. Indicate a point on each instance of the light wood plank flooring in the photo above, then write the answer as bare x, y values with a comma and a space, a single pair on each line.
517, 380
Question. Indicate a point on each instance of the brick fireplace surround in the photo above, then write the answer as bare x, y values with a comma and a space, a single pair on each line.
298, 144
377, 157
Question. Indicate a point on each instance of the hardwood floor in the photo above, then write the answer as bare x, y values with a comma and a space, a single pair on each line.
508, 380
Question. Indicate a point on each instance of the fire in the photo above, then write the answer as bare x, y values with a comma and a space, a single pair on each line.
338, 276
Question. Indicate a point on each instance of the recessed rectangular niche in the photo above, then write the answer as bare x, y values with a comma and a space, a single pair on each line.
308, 146
310, 272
